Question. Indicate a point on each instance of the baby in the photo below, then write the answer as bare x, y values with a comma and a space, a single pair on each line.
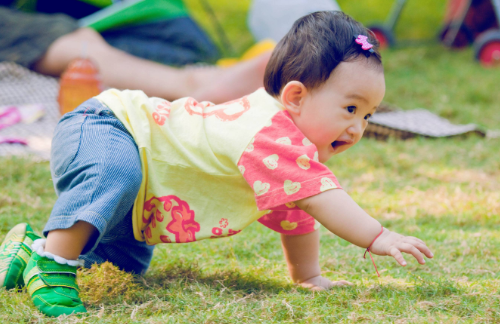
132, 171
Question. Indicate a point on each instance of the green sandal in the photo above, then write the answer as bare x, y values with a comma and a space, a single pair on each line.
53, 286
15, 251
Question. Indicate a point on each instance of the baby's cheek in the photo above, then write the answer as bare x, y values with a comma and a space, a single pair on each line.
344, 148
356, 140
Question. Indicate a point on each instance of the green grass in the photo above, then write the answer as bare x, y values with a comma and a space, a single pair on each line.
445, 191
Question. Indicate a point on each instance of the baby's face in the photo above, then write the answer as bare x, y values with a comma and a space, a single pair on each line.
334, 116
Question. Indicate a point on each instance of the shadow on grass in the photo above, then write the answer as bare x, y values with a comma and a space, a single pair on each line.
420, 290
175, 287
257, 283
232, 280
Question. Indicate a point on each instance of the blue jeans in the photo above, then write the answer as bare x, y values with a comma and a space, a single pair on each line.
96, 170
174, 42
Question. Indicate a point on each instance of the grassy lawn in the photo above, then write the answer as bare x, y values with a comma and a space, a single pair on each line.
446, 192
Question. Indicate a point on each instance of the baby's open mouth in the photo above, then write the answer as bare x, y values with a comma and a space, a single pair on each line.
336, 144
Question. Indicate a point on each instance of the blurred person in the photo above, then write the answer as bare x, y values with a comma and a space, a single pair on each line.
168, 36
46, 43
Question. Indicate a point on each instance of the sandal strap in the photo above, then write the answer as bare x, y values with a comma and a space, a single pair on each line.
15, 253
42, 280
36, 271
48, 273
24, 252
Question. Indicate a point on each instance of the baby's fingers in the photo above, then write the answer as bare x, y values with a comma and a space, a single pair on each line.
396, 254
411, 249
420, 245
415, 239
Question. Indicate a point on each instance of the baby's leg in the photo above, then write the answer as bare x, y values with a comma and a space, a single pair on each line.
79, 235
302, 257
121, 248
96, 171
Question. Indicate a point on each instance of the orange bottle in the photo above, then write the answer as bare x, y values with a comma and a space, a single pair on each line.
79, 82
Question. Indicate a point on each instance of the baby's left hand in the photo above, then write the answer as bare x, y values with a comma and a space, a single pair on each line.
319, 283
392, 243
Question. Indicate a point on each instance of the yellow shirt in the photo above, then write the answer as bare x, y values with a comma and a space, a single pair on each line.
189, 153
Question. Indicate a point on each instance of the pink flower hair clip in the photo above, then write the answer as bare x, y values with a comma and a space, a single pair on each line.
362, 40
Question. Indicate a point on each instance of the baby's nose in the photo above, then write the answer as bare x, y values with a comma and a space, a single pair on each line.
355, 129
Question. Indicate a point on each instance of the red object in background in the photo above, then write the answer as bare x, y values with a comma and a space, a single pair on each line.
487, 48
79, 82
384, 32
474, 22
466, 22
490, 53
383, 36
470, 18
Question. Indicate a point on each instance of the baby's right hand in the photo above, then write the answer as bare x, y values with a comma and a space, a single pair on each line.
392, 243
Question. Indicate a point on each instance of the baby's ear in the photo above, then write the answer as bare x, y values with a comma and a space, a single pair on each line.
292, 96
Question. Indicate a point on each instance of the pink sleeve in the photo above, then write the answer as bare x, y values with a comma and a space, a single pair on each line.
281, 165
292, 222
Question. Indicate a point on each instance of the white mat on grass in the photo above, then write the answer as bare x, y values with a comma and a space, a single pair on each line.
421, 122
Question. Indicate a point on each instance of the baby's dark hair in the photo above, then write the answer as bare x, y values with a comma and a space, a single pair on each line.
313, 48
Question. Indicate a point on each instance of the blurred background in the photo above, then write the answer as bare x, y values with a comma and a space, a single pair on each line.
420, 20
420, 70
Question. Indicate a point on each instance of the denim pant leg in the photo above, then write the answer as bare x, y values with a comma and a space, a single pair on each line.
120, 247
96, 170
176, 42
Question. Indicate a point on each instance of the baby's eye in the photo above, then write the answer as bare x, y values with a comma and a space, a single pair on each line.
368, 116
351, 109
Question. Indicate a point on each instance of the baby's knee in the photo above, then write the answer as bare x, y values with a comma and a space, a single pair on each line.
127, 172
88, 35
134, 175
93, 41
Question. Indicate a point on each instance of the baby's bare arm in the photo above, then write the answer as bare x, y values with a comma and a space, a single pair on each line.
343, 217
302, 257
336, 210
